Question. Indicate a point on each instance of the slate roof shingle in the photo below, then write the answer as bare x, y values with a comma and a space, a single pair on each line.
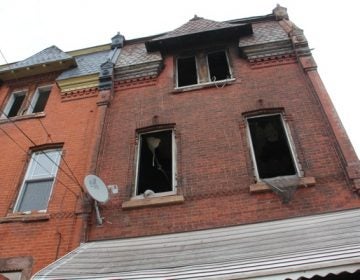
47, 55
264, 32
136, 54
196, 25
86, 64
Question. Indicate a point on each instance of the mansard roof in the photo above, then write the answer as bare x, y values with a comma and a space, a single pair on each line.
86, 64
198, 30
47, 60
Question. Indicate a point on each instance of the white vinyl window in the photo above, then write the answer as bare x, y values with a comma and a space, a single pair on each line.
39, 100
271, 147
14, 105
38, 182
156, 163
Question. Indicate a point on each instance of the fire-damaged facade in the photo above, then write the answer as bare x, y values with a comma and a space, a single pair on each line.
221, 154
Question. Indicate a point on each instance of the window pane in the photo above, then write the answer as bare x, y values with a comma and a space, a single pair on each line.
16, 105
44, 164
271, 147
218, 66
35, 196
186, 71
155, 162
41, 101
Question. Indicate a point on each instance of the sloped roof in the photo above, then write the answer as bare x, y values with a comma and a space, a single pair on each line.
47, 55
136, 54
264, 32
196, 25
198, 30
292, 248
87, 64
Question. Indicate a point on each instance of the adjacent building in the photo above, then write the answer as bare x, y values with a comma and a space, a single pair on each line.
222, 154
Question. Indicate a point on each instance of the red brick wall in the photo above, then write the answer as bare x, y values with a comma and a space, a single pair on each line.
71, 123
214, 164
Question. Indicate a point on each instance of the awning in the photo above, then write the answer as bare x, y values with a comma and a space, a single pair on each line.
285, 249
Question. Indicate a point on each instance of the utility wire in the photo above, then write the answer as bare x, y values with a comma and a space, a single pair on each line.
48, 134
17, 144
27, 137
62, 157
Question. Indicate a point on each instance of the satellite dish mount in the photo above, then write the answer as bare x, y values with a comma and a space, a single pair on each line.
96, 188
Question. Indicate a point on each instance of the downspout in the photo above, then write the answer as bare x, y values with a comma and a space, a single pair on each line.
106, 90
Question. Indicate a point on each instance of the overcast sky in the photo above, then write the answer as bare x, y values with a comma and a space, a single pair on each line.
29, 26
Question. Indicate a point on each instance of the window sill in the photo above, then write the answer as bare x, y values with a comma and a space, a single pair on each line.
262, 187
219, 84
153, 201
23, 117
25, 218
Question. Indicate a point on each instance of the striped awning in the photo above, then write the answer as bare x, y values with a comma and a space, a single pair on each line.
285, 249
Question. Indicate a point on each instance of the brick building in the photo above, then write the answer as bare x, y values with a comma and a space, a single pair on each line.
50, 115
223, 155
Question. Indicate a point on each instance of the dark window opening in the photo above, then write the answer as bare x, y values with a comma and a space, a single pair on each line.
271, 147
155, 162
218, 66
186, 71
16, 105
41, 101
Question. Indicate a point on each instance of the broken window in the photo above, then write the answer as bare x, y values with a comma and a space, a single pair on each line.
186, 71
156, 164
271, 147
14, 104
218, 66
203, 68
39, 100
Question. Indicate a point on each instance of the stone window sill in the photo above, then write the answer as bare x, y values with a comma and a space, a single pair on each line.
25, 218
262, 187
23, 117
219, 84
153, 201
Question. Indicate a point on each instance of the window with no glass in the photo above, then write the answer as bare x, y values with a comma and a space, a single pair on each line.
19, 102
271, 147
155, 163
14, 105
202, 68
38, 182
39, 100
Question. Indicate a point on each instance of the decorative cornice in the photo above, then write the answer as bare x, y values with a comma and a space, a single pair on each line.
78, 83
79, 94
137, 82
272, 61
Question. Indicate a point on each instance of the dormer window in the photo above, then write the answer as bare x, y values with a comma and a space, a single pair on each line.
202, 68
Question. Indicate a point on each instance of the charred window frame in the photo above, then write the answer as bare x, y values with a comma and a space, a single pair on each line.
187, 71
156, 164
39, 99
202, 68
36, 189
271, 147
218, 65
14, 105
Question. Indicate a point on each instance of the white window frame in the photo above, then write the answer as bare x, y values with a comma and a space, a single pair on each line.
228, 63
35, 97
290, 142
31, 178
174, 167
197, 71
11, 101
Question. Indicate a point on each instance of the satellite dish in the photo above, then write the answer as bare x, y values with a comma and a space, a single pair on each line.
96, 188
